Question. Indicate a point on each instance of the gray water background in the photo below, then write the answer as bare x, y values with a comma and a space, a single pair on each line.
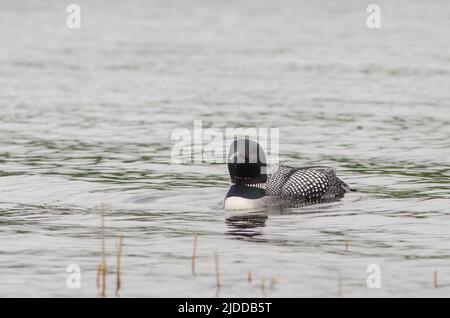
86, 118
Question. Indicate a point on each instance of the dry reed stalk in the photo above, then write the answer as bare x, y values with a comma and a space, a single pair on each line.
216, 258
273, 282
346, 245
194, 254
119, 254
249, 277
263, 286
103, 273
101, 269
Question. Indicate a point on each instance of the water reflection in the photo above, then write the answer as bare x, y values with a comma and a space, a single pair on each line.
246, 224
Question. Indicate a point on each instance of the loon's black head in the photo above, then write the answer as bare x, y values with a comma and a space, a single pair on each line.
247, 162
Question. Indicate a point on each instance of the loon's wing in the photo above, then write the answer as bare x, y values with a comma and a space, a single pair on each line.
305, 184
336, 182
331, 173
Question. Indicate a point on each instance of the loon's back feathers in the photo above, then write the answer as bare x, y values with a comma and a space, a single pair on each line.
305, 184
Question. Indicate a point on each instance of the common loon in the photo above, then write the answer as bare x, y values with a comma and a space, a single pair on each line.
254, 187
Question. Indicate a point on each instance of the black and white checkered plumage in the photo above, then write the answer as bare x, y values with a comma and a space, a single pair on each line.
305, 184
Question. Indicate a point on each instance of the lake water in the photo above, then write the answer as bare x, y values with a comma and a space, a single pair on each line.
86, 117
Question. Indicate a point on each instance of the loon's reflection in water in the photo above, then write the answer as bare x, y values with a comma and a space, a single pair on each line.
246, 224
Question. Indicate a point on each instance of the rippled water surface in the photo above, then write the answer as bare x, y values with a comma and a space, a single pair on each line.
86, 118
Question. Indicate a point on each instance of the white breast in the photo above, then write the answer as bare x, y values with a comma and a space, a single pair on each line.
239, 203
